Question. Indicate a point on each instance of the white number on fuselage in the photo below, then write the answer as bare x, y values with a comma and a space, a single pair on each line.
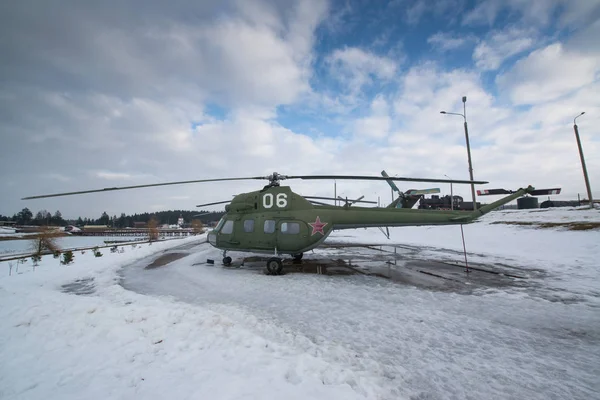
280, 201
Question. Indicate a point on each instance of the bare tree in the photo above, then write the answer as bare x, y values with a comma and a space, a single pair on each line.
197, 226
44, 242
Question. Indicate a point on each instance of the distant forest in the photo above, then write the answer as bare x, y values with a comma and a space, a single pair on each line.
43, 217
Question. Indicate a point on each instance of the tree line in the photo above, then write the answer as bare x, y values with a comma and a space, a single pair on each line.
45, 218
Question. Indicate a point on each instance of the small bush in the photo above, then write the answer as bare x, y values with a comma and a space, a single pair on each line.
56, 254
36, 258
96, 252
67, 257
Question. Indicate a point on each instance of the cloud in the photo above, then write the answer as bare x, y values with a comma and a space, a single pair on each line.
446, 41
549, 73
538, 13
256, 54
415, 12
356, 67
58, 177
126, 93
119, 176
377, 125
510, 147
490, 53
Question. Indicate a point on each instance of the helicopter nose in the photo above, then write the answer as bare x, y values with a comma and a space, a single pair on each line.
212, 238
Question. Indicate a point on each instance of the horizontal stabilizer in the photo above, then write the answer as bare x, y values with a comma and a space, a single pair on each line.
537, 192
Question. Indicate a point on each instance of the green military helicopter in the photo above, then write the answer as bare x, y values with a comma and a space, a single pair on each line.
277, 221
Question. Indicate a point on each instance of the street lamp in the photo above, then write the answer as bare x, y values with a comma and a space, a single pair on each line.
451, 194
464, 115
585, 175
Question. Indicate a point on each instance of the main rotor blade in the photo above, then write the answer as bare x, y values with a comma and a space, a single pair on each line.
139, 186
392, 184
211, 204
381, 178
319, 203
537, 192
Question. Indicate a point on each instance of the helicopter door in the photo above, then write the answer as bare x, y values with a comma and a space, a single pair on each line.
292, 235
228, 233
268, 239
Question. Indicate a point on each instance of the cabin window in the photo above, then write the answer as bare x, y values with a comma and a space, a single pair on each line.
269, 226
249, 225
227, 228
290, 228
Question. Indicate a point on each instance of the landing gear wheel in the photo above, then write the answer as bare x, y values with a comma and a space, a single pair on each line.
274, 266
297, 257
227, 261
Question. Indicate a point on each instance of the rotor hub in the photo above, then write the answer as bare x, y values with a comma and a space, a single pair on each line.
275, 178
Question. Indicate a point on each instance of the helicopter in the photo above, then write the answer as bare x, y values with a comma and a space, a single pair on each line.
277, 221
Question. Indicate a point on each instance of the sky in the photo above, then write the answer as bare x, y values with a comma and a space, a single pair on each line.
125, 93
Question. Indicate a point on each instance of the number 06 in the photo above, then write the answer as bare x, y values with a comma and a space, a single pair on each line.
280, 200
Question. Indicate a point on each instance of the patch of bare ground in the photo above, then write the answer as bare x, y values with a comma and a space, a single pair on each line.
165, 259
571, 226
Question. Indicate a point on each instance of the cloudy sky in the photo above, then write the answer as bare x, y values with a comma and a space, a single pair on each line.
114, 93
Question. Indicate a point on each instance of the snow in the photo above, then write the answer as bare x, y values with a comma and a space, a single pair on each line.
194, 330
24, 246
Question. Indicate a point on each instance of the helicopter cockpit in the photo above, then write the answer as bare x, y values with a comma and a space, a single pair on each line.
212, 236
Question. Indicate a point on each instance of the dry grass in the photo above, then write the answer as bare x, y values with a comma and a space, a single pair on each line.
153, 229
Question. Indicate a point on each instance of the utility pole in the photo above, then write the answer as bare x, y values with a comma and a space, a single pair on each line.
585, 174
464, 115
334, 192
464, 100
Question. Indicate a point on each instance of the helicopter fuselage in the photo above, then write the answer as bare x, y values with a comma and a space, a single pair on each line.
278, 221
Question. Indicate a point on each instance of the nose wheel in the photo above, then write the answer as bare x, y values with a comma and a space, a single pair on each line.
274, 266
226, 259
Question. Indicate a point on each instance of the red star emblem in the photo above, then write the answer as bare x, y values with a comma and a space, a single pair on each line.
317, 226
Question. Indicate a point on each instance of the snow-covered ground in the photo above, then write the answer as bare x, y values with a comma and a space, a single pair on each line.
109, 328
24, 246
4, 231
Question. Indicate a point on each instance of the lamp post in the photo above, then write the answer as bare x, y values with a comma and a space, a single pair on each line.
464, 115
585, 175
451, 194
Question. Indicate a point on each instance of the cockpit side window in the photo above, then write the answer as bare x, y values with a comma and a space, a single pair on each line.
290, 228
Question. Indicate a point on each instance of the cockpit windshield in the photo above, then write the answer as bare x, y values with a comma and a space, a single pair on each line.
220, 224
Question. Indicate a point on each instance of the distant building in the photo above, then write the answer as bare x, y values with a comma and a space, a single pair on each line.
94, 227
140, 224
560, 203
72, 228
